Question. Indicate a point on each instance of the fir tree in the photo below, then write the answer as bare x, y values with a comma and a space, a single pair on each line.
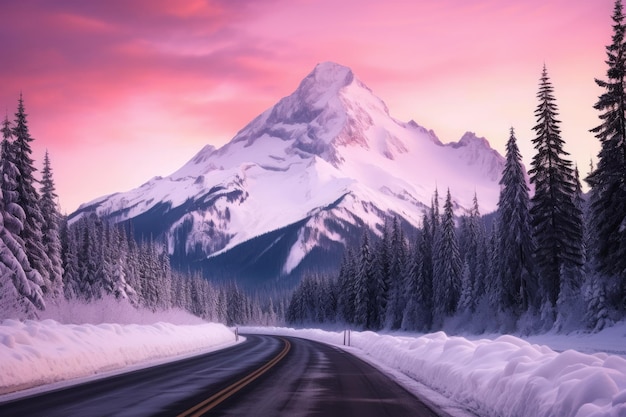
515, 246
447, 265
556, 221
365, 313
382, 277
414, 314
347, 287
28, 198
50, 228
20, 285
472, 279
71, 271
425, 297
608, 180
396, 300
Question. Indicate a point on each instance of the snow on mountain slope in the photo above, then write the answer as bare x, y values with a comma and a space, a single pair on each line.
329, 156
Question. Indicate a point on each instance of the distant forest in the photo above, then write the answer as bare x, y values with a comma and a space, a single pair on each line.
555, 259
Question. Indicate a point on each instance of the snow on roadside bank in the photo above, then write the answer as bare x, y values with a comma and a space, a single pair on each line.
34, 353
504, 377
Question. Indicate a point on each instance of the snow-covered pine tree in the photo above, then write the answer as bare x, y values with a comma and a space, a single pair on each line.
165, 284
382, 276
465, 297
446, 265
148, 273
555, 219
71, 271
50, 228
493, 283
347, 286
28, 199
412, 315
425, 297
89, 258
570, 310
435, 218
473, 239
608, 180
514, 270
364, 309
398, 278
21, 292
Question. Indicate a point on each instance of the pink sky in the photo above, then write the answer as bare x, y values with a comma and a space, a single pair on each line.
120, 91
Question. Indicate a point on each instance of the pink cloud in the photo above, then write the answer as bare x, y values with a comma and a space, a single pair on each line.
114, 74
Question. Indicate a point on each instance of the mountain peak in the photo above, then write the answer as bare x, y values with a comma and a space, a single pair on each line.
297, 184
326, 78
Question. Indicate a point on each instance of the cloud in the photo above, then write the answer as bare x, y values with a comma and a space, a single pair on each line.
116, 73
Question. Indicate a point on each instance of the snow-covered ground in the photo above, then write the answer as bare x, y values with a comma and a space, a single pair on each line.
500, 376
38, 354
575, 375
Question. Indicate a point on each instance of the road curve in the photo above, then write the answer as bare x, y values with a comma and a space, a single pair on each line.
264, 376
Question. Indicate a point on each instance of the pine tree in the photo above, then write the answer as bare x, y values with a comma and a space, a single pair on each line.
608, 180
412, 316
473, 238
396, 301
20, 285
425, 296
515, 246
28, 198
71, 271
89, 259
447, 265
347, 287
50, 229
365, 313
382, 277
556, 221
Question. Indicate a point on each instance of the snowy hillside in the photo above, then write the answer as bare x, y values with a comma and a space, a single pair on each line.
303, 177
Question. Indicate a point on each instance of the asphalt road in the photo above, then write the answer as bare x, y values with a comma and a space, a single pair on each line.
264, 376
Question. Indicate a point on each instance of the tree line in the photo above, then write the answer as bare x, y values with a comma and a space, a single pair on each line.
44, 259
553, 260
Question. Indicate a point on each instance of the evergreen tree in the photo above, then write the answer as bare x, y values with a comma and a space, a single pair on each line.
412, 315
71, 271
515, 246
382, 276
398, 279
425, 296
493, 283
28, 199
20, 285
347, 288
50, 229
472, 274
608, 180
447, 265
89, 259
556, 221
365, 312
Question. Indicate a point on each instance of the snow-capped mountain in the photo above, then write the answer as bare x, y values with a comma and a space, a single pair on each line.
298, 182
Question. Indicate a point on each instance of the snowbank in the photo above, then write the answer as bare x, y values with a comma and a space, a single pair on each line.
504, 377
108, 309
33, 353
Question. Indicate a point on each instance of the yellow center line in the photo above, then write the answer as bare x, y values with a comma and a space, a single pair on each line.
218, 398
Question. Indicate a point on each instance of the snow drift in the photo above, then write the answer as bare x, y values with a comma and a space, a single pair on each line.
34, 353
504, 377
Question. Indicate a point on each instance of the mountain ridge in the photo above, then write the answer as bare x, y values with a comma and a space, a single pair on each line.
328, 157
